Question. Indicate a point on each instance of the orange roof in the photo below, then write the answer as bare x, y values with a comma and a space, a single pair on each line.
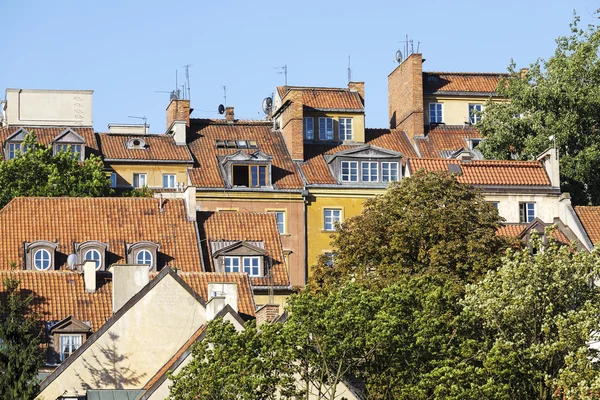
246, 226
46, 135
326, 98
488, 172
519, 231
511, 230
315, 168
474, 82
445, 138
202, 144
590, 219
158, 148
112, 220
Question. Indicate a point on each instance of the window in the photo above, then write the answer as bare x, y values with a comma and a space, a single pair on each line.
473, 143
144, 257
74, 148
68, 344
232, 264
280, 217
93, 255
474, 116
13, 148
349, 171
169, 181
41, 259
435, 113
251, 266
495, 204
370, 171
330, 259
113, 179
259, 175
309, 128
139, 180
389, 171
250, 175
325, 128
345, 128
331, 216
526, 212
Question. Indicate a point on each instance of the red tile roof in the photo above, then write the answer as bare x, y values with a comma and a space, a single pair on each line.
511, 230
246, 226
475, 82
590, 219
202, 144
488, 172
46, 135
445, 137
315, 168
158, 148
326, 98
115, 221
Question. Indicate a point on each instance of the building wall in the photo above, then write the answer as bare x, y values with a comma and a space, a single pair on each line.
154, 177
358, 124
455, 109
547, 207
405, 96
36, 107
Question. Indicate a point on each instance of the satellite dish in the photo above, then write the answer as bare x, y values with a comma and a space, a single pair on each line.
267, 105
221, 109
398, 56
71, 260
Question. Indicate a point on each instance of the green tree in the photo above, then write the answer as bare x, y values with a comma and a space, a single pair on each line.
20, 352
427, 223
558, 99
37, 172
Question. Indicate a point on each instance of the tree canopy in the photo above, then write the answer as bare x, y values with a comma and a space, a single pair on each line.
556, 99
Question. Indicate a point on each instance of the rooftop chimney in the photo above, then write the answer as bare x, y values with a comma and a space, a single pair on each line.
229, 115
219, 296
405, 96
128, 280
89, 276
267, 313
190, 202
178, 110
360, 88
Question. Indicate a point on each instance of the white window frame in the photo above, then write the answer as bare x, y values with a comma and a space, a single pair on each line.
473, 117
12, 150
251, 259
352, 171
324, 132
72, 341
437, 116
143, 259
281, 220
45, 257
89, 256
529, 212
171, 181
330, 217
137, 180
369, 177
231, 266
309, 132
346, 129
386, 171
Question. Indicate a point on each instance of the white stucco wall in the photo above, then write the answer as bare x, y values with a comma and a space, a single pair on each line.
546, 206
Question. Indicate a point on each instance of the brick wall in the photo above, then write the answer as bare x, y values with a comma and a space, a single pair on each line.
291, 125
178, 110
267, 313
360, 88
405, 96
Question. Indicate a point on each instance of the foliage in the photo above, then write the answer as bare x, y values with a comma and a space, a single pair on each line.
559, 98
139, 192
20, 353
428, 223
37, 172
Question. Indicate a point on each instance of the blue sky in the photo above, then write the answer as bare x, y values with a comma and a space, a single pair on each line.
126, 50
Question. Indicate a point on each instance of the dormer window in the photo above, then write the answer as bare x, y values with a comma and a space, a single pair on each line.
92, 251
250, 175
239, 256
143, 253
66, 337
136, 143
325, 128
246, 170
41, 259
69, 141
365, 165
13, 144
13, 150
143, 257
74, 149
39, 256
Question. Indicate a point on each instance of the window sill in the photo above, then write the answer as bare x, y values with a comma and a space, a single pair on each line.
328, 231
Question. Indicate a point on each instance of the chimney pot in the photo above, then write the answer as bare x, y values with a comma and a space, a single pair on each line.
178, 110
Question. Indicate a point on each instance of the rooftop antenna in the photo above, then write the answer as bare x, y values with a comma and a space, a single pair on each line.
408, 45
173, 95
224, 94
187, 78
145, 124
284, 72
349, 71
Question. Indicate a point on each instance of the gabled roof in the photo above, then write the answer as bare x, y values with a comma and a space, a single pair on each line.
113, 220
202, 144
316, 171
461, 82
590, 219
445, 138
561, 232
158, 147
488, 172
250, 227
46, 135
320, 98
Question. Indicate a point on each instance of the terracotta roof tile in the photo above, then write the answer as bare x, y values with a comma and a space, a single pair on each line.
511, 230
488, 172
158, 147
247, 226
202, 144
315, 167
445, 137
46, 135
115, 221
326, 98
475, 82
590, 219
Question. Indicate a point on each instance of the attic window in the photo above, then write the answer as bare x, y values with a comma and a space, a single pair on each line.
230, 144
455, 169
220, 144
250, 175
242, 144
143, 253
252, 144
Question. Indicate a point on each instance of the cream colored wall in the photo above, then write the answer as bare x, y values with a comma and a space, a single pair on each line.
154, 177
49, 107
547, 207
455, 110
358, 124
145, 337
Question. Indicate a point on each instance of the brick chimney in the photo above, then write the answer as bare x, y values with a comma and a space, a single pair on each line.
267, 313
178, 110
405, 96
229, 114
291, 125
358, 87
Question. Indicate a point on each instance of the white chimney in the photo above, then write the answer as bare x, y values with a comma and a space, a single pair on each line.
550, 160
221, 295
128, 280
179, 132
190, 202
89, 276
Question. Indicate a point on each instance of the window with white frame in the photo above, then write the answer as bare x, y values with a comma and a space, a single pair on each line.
113, 179
252, 266
389, 171
93, 255
309, 128
331, 216
345, 128
13, 148
280, 217
526, 212
370, 171
349, 171
41, 259
325, 128
435, 113
232, 264
169, 181
144, 257
75, 149
474, 113
68, 344
139, 180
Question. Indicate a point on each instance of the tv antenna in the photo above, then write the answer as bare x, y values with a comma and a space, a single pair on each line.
187, 78
283, 71
224, 94
349, 71
173, 94
145, 123
409, 48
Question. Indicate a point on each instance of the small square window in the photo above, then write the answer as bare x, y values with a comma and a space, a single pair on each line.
370, 171
349, 171
169, 181
232, 264
389, 171
435, 113
331, 216
526, 212
252, 266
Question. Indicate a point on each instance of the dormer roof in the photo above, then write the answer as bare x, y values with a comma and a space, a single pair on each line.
48, 135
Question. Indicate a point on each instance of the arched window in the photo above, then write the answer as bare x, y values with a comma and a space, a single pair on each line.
41, 259
144, 257
94, 255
